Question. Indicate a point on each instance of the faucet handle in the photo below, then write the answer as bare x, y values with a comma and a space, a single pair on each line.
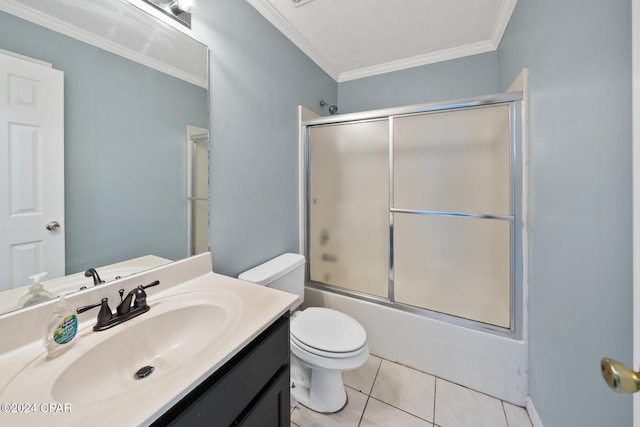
89, 307
156, 283
141, 296
104, 315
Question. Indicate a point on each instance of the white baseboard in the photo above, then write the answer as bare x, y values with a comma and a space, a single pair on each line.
533, 414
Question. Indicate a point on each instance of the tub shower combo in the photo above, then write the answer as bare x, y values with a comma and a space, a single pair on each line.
420, 208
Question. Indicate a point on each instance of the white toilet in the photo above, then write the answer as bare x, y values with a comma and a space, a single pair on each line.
324, 342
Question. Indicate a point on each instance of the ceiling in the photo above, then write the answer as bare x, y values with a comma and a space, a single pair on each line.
351, 39
126, 28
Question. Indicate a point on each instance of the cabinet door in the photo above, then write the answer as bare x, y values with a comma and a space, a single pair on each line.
231, 393
272, 410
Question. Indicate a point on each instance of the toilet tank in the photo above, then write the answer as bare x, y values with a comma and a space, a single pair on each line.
285, 272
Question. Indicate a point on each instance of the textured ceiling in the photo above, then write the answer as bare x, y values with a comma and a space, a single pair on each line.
351, 39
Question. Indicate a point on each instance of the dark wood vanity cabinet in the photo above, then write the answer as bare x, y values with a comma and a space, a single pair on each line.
251, 389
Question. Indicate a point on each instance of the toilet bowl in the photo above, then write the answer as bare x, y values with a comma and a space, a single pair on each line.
324, 342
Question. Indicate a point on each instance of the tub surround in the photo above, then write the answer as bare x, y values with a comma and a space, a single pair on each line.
485, 362
252, 309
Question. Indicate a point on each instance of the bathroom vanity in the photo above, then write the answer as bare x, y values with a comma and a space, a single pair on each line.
252, 389
218, 346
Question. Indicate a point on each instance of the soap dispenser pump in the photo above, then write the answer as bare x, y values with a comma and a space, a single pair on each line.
61, 329
36, 293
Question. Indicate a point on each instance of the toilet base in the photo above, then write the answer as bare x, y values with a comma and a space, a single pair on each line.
320, 390
320, 412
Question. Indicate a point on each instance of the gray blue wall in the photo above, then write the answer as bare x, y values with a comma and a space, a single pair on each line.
258, 79
475, 75
125, 148
579, 56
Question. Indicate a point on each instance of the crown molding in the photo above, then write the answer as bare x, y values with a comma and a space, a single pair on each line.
417, 61
504, 14
272, 15
54, 24
269, 12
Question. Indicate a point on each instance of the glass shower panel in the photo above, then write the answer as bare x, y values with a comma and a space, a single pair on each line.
453, 161
453, 265
348, 206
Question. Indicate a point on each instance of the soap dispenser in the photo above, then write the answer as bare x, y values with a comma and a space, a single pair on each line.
61, 329
36, 293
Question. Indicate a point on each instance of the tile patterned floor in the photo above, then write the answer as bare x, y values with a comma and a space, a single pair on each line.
383, 393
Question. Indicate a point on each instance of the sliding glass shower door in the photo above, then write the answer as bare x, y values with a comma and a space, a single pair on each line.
419, 210
349, 202
452, 212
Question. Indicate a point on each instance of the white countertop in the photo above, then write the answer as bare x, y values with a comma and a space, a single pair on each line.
254, 307
73, 282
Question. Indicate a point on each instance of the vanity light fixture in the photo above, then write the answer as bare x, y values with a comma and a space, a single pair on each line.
185, 5
180, 10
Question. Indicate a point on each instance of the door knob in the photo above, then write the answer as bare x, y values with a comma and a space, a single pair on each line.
619, 376
53, 226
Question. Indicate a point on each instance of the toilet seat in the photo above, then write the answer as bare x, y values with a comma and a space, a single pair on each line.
328, 333
323, 353
315, 361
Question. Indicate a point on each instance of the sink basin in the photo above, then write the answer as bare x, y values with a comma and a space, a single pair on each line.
172, 335
164, 342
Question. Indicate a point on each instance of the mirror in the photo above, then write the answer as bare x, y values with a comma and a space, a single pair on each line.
198, 190
126, 125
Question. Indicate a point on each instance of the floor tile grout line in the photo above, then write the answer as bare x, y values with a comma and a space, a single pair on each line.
467, 387
504, 411
382, 360
400, 409
436, 378
375, 377
502, 402
435, 395
363, 409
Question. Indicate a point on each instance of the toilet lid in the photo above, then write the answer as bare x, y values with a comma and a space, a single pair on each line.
326, 354
328, 330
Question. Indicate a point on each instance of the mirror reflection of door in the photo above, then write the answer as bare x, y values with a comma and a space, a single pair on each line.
32, 231
198, 189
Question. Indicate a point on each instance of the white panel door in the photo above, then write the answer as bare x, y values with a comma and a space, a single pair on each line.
635, 84
31, 171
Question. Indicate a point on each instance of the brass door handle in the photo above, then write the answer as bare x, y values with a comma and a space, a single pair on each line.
619, 376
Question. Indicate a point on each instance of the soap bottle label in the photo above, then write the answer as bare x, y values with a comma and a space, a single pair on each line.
66, 329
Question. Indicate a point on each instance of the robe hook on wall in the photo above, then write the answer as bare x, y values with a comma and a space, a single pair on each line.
332, 108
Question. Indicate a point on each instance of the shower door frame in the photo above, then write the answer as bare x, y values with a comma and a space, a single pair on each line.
516, 217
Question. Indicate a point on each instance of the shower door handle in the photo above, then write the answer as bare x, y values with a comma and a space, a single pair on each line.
619, 376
